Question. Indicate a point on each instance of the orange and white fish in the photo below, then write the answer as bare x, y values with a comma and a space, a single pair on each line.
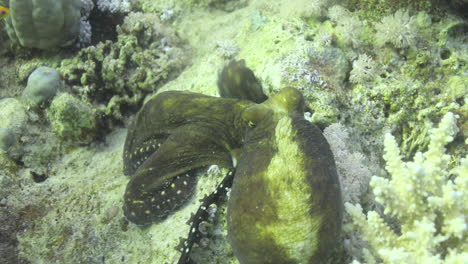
4, 12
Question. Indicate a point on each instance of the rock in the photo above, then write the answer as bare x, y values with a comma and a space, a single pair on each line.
7, 139
13, 115
42, 85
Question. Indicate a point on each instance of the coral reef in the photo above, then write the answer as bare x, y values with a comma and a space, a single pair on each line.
81, 218
11, 220
348, 26
225, 5
427, 196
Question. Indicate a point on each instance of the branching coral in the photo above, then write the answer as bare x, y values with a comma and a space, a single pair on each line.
428, 197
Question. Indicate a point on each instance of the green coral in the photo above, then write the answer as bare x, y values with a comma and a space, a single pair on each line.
72, 119
427, 196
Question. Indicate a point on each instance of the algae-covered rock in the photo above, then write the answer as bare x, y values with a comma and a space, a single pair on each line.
72, 119
13, 115
7, 139
44, 24
43, 84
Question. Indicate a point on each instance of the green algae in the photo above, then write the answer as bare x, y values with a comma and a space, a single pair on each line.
71, 119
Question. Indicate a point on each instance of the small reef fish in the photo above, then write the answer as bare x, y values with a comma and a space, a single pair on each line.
4, 12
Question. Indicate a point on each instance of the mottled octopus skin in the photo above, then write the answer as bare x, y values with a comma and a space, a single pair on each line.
285, 204
174, 134
238, 81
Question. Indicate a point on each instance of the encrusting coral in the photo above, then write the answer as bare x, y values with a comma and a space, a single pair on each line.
427, 196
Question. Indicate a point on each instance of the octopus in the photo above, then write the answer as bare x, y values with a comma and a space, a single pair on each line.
285, 203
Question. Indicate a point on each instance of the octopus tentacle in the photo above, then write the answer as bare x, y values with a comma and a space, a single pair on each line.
166, 179
215, 198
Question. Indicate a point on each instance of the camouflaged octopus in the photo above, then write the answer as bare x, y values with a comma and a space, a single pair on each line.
285, 203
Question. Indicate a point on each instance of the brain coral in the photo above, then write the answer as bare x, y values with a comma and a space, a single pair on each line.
34, 26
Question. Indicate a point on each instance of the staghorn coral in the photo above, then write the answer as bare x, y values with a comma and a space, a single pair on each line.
427, 196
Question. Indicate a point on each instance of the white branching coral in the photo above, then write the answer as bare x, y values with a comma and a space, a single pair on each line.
429, 199
364, 69
398, 29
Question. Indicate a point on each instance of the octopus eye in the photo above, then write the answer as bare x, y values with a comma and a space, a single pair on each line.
255, 114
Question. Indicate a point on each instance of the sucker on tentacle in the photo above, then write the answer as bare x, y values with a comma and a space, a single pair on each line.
202, 214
